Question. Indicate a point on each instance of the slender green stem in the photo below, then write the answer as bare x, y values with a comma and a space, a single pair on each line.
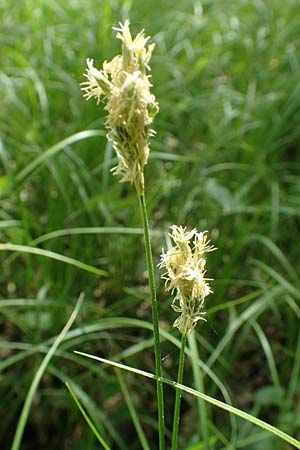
178, 395
197, 372
158, 368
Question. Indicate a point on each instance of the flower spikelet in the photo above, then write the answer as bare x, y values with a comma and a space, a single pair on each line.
185, 264
124, 86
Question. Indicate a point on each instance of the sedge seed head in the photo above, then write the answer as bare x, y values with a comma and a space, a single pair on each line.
124, 86
185, 275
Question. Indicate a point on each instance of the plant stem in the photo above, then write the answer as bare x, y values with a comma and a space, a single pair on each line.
178, 395
158, 368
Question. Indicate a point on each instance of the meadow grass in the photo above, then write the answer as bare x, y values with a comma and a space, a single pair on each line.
226, 158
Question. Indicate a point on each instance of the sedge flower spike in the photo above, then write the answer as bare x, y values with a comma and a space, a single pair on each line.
124, 86
185, 264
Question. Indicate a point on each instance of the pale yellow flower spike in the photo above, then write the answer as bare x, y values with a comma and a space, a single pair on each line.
185, 264
125, 87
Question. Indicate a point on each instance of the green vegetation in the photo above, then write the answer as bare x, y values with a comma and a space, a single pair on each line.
226, 158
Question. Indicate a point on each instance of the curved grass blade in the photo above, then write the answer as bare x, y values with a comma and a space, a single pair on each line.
53, 255
252, 311
101, 421
294, 379
269, 357
131, 408
226, 305
275, 250
279, 278
231, 409
20, 177
10, 223
198, 380
87, 419
85, 230
40, 372
4, 303
79, 335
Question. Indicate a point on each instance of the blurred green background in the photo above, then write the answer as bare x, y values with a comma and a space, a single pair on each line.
225, 159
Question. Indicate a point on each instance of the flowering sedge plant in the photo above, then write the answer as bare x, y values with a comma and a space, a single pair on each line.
185, 264
124, 86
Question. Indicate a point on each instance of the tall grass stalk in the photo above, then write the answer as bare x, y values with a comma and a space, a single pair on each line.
185, 272
124, 84
158, 366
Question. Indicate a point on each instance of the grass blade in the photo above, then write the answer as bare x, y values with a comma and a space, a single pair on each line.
269, 357
231, 409
40, 372
133, 414
87, 419
198, 380
56, 148
53, 255
85, 230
